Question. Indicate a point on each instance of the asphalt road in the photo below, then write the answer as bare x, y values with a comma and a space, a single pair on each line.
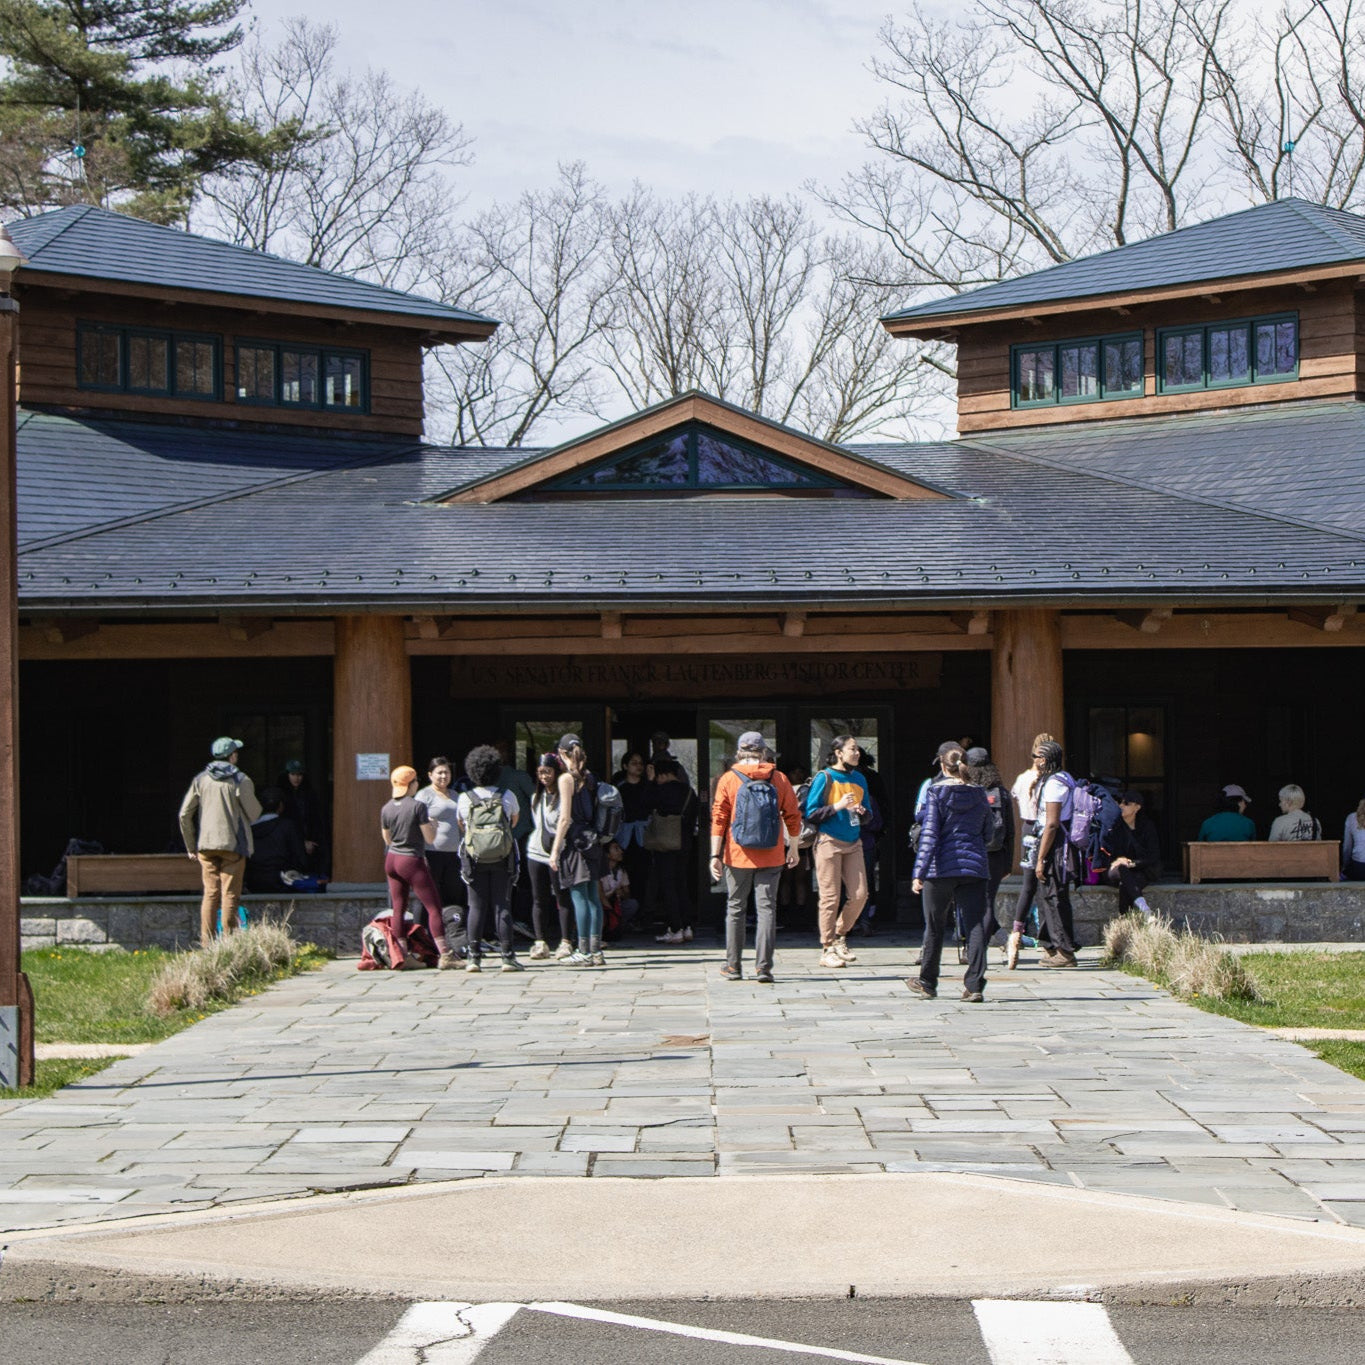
925, 1331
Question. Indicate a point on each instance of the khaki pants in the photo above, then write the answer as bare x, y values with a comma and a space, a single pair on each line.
838, 864
222, 873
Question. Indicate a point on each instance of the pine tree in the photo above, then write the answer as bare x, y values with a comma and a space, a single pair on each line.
117, 102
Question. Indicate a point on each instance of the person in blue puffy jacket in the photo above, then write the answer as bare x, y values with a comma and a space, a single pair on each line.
953, 867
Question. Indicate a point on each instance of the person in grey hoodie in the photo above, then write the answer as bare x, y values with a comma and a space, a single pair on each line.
222, 803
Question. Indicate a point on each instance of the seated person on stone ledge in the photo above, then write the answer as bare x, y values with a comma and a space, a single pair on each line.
278, 855
1130, 853
1232, 824
1295, 823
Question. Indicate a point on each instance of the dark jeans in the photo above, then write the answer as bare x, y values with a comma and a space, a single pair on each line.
1353, 872
489, 887
1054, 902
445, 872
406, 875
544, 895
969, 896
1130, 882
671, 870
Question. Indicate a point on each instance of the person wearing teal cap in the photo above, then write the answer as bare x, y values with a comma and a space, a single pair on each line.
215, 822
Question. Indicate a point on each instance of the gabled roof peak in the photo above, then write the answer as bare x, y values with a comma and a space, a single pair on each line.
1275, 238
98, 244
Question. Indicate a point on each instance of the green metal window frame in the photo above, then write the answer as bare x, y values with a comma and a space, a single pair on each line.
124, 385
1068, 343
323, 354
813, 481
1226, 324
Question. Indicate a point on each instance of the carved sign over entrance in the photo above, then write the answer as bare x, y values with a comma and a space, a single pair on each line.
691, 677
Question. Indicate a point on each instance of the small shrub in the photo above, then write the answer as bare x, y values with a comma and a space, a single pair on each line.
1185, 963
252, 957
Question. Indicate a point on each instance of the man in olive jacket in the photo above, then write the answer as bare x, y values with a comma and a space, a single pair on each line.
224, 800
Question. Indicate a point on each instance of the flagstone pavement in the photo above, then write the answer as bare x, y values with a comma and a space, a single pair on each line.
657, 1067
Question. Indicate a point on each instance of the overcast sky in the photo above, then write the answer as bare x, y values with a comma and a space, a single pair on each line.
724, 95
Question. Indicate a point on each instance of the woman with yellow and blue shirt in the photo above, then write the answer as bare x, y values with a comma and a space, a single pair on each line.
838, 802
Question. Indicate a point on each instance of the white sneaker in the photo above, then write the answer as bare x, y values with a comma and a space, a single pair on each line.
563, 951
829, 958
673, 936
840, 946
540, 950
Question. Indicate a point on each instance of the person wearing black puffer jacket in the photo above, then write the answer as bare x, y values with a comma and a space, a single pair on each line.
953, 867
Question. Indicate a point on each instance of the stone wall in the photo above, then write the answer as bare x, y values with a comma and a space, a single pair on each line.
332, 921
1237, 912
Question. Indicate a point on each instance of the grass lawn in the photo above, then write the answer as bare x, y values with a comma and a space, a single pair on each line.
82, 996
1306, 990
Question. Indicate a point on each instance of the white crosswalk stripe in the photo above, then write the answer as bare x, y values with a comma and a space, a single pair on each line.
1018, 1332
1014, 1332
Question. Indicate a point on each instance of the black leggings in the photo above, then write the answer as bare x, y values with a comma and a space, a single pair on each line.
670, 868
543, 895
489, 890
1130, 882
968, 896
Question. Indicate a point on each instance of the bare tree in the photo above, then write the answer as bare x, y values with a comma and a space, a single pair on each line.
538, 265
367, 190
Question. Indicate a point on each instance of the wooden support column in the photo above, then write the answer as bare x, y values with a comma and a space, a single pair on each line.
1026, 685
371, 714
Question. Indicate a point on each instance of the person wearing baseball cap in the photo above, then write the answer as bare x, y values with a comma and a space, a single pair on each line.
407, 828
215, 822
755, 821
1231, 824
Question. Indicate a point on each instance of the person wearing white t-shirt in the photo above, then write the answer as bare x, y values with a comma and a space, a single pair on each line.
1025, 794
1054, 863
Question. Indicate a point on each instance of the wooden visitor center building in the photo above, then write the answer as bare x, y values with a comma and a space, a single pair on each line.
1148, 538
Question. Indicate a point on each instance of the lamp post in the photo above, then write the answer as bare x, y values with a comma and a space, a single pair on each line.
16, 998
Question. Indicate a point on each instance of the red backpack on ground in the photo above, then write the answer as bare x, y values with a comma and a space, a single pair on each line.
378, 950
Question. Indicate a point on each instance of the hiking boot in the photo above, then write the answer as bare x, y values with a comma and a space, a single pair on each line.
1058, 959
540, 950
840, 946
829, 958
473, 965
973, 997
731, 973
448, 962
510, 964
765, 977
1012, 949
917, 987
672, 936
564, 950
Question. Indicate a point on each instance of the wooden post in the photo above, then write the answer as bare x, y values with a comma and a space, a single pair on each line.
16, 999
371, 715
1026, 685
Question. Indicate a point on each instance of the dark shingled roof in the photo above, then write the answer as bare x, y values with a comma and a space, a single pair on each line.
97, 244
1287, 234
1021, 527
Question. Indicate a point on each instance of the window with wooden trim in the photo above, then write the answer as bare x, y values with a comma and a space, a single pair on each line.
1221, 355
282, 374
155, 363
1083, 370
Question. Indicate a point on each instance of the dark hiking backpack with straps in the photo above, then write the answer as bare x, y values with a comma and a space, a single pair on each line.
756, 821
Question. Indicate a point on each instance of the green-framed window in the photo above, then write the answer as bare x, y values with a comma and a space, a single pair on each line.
1219, 355
283, 374
1080, 370
148, 361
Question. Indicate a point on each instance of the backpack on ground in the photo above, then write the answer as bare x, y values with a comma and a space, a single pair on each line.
378, 950
996, 796
488, 831
756, 821
608, 811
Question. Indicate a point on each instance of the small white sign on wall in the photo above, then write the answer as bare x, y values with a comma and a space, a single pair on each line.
372, 767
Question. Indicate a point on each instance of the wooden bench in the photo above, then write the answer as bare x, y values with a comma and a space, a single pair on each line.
130, 874
1261, 860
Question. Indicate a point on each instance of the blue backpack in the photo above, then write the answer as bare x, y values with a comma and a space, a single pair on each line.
757, 818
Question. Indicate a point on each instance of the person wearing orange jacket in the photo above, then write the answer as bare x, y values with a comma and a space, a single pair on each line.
754, 825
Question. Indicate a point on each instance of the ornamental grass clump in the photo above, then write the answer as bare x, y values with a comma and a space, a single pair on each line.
228, 968
1183, 962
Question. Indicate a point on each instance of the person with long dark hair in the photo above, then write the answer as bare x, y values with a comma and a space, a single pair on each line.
1025, 794
443, 852
987, 776
673, 806
545, 896
838, 801
952, 870
576, 856
636, 795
